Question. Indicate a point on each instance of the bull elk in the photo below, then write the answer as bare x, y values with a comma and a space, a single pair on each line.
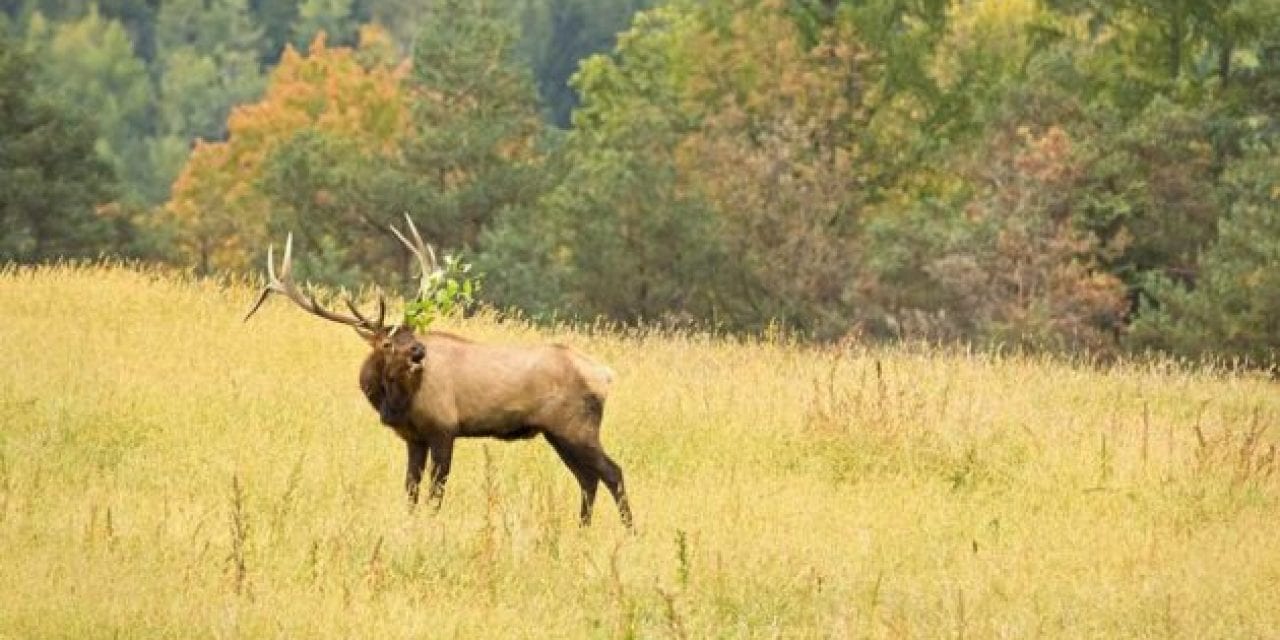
434, 388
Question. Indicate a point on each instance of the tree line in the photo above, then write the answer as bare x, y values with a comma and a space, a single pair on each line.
1058, 174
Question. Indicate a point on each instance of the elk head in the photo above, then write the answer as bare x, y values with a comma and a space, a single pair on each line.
391, 373
394, 365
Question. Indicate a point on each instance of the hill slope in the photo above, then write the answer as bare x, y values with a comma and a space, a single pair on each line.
166, 470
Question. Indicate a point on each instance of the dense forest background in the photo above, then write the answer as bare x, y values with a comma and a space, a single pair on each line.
1095, 175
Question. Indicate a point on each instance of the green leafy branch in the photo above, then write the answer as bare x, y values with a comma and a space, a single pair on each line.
442, 292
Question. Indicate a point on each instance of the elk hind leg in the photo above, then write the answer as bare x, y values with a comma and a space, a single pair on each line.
586, 477
611, 474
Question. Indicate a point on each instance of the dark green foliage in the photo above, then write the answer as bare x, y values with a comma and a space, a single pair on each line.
207, 64
276, 18
474, 152
342, 200
51, 179
558, 34
630, 247
1149, 181
193, 60
333, 17
520, 250
1231, 308
614, 237
89, 63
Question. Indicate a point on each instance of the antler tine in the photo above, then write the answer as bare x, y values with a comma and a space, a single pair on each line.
422, 246
286, 265
382, 311
421, 251
271, 258
285, 286
271, 281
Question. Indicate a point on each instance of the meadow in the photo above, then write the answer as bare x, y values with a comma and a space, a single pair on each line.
169, 471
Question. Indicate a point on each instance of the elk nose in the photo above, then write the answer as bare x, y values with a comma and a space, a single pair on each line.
417, 353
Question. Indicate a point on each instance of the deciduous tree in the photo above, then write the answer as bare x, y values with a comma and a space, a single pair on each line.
221, 214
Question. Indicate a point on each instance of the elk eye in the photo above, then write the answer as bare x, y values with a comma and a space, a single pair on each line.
386, 345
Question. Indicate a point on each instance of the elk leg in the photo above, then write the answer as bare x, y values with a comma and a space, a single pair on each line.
609, 472
587, 479
413, 469
441, 460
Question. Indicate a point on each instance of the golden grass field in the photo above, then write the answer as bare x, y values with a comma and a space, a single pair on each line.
168, 471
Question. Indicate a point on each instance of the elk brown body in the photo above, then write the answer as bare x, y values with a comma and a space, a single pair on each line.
434, 388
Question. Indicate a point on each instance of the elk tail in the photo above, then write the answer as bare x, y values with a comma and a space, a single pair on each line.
598, 377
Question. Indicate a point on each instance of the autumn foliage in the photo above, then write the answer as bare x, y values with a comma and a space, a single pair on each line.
221, 217
1001, 172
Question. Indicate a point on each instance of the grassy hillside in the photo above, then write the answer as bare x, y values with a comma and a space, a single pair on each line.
167, 471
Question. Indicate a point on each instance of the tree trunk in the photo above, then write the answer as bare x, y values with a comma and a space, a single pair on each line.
1175, 45
1224, 61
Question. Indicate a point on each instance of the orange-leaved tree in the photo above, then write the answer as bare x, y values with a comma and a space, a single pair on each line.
219, 213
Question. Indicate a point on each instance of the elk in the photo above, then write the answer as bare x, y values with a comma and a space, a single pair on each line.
435, 387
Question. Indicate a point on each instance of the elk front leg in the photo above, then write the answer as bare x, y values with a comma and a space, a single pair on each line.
441, 459
417, 459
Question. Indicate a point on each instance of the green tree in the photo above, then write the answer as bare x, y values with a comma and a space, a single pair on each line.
221, 27
469, 153
617, 235
53, 183
1232, 308
137, 16
333, 17
90, 63
276, 18
208, 63
476, 124
402, 19
341, 197
1159, 42
557, 35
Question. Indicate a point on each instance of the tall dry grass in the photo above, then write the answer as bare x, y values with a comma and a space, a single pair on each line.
167, 471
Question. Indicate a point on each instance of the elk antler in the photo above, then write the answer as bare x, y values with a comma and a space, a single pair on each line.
284, 285
422, 251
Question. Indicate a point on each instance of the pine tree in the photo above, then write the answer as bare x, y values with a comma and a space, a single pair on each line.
1232, 309
476, 121
90, 63
51, 178
332, 17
